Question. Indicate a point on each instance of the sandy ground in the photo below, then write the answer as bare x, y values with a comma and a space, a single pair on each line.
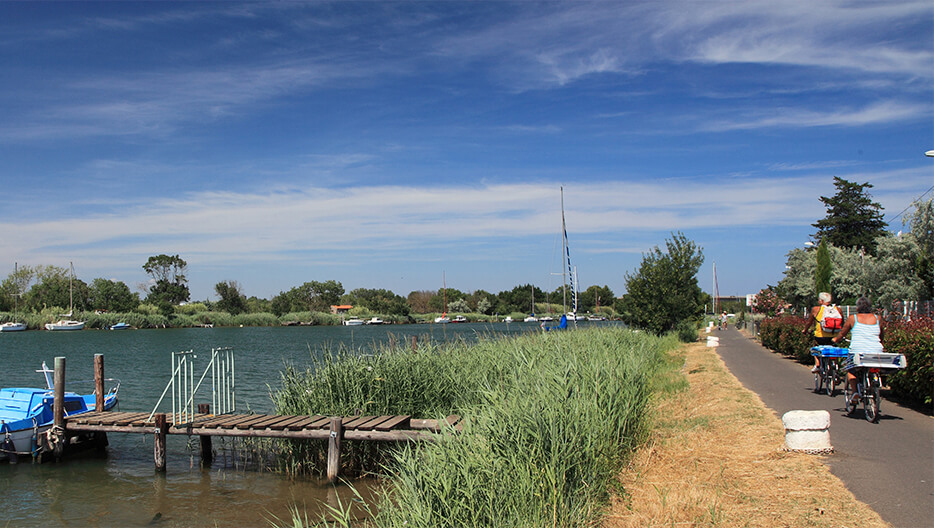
715, 459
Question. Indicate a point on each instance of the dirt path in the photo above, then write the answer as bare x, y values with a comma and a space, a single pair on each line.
714, 459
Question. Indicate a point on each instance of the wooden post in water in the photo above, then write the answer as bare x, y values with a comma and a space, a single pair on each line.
334, 448
207, 453
58, 408
414, 343
99, 382
162, 428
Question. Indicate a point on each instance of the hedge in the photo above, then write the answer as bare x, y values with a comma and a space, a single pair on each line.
915, 339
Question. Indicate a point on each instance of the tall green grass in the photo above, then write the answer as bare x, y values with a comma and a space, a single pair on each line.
549, 419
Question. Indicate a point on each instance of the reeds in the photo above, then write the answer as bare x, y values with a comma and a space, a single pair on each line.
548, 421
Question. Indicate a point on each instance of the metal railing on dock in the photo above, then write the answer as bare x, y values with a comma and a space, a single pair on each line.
222, 368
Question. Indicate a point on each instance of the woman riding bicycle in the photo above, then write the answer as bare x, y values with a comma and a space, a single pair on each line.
867, 334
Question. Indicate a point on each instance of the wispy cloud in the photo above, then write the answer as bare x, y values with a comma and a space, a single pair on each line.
879, 113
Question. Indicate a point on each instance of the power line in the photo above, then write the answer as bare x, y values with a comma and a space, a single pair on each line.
918, 199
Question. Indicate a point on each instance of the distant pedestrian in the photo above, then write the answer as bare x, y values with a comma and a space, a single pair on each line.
723, 321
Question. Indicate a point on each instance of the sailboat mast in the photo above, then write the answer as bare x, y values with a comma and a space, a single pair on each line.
71, 290
565, 268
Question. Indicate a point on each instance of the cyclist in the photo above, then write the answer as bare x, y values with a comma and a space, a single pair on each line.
822, 336
867, 334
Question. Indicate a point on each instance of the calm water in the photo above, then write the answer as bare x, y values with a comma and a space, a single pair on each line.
122, 488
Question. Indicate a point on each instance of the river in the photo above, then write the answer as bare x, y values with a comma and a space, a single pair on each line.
121, 487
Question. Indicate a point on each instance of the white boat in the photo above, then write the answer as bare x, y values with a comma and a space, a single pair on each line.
120, 326
13, 326
507, 319
459, 319
353, 322
547, 319
67, 324
375, 321
531, 319
444, 319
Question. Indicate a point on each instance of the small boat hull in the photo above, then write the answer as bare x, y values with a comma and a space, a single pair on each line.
26, 413
12, 327
64, 326
120, 326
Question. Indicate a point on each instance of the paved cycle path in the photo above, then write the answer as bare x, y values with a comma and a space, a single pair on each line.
889, 465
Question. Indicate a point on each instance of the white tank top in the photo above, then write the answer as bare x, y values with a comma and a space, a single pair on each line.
865, 337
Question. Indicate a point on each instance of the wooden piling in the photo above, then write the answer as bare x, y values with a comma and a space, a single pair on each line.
207, 451
334, 448
99, 382
162, 429
58, 409
414, 343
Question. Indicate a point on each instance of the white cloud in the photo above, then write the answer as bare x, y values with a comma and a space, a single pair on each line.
873, 114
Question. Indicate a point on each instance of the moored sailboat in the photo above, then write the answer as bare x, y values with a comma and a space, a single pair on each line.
67, 324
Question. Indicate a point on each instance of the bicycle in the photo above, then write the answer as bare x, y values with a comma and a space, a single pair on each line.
828, 374
868, 368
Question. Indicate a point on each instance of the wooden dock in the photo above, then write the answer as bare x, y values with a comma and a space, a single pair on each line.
335, 429
205, 425
374, 428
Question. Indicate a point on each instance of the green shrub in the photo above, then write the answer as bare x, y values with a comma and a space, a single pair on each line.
915, 339
687, 331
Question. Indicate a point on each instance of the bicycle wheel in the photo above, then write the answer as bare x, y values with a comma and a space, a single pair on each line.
849, 408
871, 402
830, 379
818, 377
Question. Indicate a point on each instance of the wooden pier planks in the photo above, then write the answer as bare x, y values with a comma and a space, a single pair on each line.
370, 427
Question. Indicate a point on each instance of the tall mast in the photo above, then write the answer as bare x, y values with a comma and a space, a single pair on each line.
71, 290
565, 268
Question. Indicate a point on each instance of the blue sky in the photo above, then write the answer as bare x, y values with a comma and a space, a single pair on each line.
383, 144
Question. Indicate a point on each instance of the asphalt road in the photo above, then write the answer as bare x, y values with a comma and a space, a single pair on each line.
888, 465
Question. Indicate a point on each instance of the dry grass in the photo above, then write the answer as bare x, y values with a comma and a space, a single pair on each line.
714, 460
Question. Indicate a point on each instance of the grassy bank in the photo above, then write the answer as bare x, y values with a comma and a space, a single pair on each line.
713, 459
549, 421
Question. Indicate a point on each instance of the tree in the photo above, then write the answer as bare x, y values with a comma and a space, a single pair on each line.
853, 220
231, 300
113, 296
311, 296
171, 286
595, 296
519, 299
664, 291
420, 301
822, 271
378, 301
56, 289
922, 231
14, 287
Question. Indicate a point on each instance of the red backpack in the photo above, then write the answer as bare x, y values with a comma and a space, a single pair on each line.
831, 320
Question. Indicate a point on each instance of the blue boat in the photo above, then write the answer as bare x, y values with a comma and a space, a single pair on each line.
120, 326
26, 413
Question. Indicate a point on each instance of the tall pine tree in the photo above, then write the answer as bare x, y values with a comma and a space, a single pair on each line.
853, 220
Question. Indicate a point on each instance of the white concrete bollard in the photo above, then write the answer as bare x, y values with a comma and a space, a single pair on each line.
807, 431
